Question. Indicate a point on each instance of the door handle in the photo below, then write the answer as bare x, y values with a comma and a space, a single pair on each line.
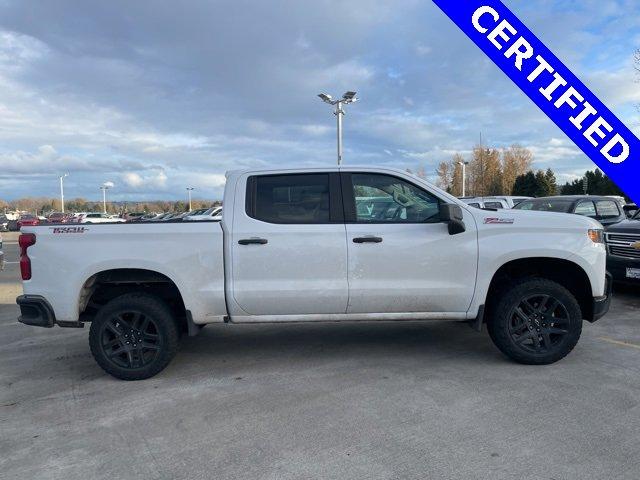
251, 241
369, 239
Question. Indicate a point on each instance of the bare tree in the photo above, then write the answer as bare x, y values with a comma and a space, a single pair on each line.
516, 161
444, 175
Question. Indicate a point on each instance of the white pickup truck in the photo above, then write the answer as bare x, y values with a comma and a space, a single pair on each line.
311, 245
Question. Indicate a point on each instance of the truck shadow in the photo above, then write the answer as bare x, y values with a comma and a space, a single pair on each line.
302, 343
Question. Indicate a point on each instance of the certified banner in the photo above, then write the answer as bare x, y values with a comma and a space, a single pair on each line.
551, 86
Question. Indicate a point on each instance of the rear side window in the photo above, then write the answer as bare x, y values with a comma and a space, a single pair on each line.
300, 198
607, 209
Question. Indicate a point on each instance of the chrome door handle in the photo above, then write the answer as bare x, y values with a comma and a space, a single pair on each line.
252, 241
368, 239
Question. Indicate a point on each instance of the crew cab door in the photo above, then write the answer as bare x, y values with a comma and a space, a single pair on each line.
288, 245
401, 257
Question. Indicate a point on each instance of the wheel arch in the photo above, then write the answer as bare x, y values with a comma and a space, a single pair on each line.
562, 271
103, 286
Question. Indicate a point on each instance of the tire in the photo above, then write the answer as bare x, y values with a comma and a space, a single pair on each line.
134, 336
535, 322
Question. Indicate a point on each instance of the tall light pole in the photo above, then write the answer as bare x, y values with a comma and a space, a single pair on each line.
464, 177
62, 190
348, 97
189, 190
104, 187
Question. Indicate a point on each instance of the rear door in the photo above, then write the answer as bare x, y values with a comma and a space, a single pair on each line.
401, 257
288, 244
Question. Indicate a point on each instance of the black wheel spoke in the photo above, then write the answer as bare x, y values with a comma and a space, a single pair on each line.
130, 340
524, 337
135, 320
533, 326
112, 343
557, 331
552, 307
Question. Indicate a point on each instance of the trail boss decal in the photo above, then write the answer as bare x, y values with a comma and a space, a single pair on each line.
552, 87
69, 229
507, 221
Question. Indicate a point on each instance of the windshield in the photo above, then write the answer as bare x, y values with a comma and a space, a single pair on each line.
545, 205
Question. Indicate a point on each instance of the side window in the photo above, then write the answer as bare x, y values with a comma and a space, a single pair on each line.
297, 198
607, 209
496, 205
585, 208
383, 198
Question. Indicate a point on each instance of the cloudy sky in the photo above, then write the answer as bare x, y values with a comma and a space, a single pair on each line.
155, 96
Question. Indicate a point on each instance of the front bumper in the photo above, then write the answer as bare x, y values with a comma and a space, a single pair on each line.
601, 304
35, 311
618, 268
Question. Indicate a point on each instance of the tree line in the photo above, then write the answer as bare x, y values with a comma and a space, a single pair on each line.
45, 205
492, 171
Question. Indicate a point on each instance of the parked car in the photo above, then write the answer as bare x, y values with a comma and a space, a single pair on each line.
511, 200
630, 209
57, 217
28, 220
606, 210
623, 250
293, 247
487, 203
133, 216
213, 213
94, 217
160, 217
4, 223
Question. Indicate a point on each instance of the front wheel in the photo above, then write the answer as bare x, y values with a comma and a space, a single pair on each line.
536, 322
134, 336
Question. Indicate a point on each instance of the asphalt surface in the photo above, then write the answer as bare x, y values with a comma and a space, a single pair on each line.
337, 401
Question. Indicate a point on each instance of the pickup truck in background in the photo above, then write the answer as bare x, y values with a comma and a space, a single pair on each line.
312, 245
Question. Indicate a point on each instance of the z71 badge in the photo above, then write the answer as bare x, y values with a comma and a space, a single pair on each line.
498, 220
69, 229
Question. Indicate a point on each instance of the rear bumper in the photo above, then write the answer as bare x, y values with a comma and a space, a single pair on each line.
35, 311
601, 304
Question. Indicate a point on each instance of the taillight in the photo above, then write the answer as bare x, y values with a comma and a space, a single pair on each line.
25, 240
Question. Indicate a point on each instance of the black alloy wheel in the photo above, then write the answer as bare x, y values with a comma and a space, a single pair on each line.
130, 339
539, 323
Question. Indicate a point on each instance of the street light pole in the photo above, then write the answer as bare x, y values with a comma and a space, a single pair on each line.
62, 190
104, 189
464, 177
189, 190
348, 97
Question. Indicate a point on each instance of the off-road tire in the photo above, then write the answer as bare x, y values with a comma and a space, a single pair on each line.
114, 324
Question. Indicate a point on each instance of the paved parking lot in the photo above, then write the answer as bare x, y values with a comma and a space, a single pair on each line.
337, 401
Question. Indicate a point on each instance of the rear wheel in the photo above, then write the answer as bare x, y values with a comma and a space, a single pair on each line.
134, 336
536, 322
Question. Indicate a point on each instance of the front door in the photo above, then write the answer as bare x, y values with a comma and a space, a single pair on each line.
289, 254
401, 257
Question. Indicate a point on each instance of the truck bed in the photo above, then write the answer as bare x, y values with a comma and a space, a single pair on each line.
65, 257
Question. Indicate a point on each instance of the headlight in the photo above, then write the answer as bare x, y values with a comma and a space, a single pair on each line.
596, 235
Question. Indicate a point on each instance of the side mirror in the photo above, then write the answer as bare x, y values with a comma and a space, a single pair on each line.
452, 215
